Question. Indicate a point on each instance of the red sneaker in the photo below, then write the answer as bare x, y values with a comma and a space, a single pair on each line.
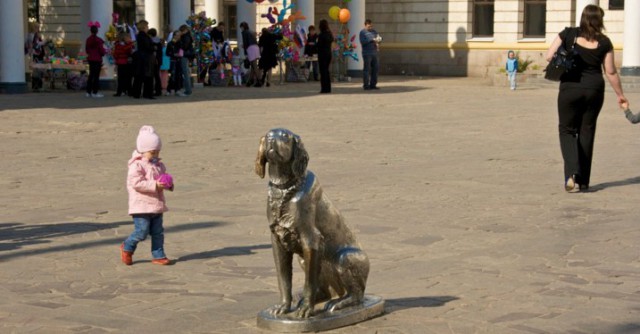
126, 257
163, 261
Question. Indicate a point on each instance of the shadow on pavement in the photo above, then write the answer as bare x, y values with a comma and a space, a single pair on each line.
15, 236
77, 100
227, 251
626, 182
392, 305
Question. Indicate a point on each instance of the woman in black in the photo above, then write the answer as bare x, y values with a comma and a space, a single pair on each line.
268, 55
325, 39
144, 62
582, 94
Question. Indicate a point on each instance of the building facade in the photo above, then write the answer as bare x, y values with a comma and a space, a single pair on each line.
426, 38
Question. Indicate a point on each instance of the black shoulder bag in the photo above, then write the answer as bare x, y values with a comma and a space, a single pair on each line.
563, 60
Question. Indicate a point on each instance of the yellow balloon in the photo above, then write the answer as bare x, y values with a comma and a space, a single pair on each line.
334, 12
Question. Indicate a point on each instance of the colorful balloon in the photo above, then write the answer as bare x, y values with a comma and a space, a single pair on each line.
344, 15
334, 12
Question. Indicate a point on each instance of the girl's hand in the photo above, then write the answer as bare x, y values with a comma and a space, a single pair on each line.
159, 186
623, 102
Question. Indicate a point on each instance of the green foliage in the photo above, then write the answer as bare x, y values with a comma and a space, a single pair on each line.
523, 64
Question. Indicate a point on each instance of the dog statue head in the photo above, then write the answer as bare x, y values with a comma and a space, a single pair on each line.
284, 152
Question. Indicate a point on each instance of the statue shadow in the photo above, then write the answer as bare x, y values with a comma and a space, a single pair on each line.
393, 305
226, 251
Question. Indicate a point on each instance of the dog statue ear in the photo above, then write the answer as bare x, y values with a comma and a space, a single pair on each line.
261, 160
300, 157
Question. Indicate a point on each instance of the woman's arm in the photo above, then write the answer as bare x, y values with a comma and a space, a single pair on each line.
612, 75
553, 48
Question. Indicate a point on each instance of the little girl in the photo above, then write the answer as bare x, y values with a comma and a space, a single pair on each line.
146, 182
235, 67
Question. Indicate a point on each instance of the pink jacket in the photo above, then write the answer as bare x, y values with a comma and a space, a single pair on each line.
141, 185
95, 48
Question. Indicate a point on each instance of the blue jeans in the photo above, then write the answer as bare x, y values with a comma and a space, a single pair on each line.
147, 224
370, 70
186, 75
512, 79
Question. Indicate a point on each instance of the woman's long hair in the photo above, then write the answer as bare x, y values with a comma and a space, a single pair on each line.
324, 25
591, 23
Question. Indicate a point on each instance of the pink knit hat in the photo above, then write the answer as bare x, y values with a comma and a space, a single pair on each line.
148, 140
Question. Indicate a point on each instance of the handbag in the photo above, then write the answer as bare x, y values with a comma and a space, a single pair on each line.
562, 62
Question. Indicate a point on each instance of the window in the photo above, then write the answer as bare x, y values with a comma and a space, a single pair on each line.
126, 9
483, 18
33, 10
616, 4
231, 23
535, 12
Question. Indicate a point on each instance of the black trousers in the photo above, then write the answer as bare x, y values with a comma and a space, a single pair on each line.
124, 78
325, 75
578, 110
142, 84
93, 82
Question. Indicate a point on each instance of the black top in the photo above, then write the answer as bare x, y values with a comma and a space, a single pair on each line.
186, 44
217, 36
324, 44
248, 39
311, 47
588, 72
269, 53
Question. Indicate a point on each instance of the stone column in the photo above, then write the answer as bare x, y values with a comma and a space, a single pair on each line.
101, 10
631, 46
246, 13
212, 8
307, 7
355, 24
179, 12
580, 4
12, 75
152, 15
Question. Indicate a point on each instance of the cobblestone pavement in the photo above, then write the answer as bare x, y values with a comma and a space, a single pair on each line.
453, 186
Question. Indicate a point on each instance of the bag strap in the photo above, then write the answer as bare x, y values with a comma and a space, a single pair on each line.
575, 38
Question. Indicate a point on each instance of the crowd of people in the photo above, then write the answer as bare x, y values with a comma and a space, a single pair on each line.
148, 66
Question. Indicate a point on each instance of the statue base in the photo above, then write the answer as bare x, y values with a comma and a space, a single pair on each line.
371, 307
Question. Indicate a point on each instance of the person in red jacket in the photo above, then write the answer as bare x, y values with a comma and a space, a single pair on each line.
94, 47
122, 52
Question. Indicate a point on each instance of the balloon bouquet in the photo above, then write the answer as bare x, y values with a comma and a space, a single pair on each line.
345, 43
290, 42
208, 53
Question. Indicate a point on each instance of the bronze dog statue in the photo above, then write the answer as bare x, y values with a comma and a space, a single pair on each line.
303, 221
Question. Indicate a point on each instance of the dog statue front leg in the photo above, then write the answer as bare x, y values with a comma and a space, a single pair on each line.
283, 260
312, 273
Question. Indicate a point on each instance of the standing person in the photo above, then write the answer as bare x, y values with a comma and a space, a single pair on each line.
325, 39
252, 52
217, 38
144, 63
164, 69
157, 51
370, 40
268, 55
34, 46
175, 54
581, 94
186, 44
94, 46
512, 68
146, 181
236, 62
311, 50
122, 52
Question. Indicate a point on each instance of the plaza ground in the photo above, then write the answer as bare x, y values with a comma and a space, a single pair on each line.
454, 188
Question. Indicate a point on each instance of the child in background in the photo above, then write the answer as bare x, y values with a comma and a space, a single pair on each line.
164, 69
633, 118
235, 67
175, 54
310, 50
94, 46
146, 182
122, 52
512, 68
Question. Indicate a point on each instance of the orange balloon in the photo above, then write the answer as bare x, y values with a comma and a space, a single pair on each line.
344, 15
